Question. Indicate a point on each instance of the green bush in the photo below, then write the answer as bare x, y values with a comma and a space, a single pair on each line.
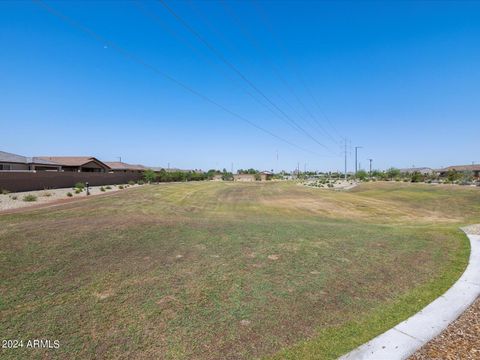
362, 175
102, 189
78, 191
149, 176
14, 197
47, 194
120, 186
108, 187
80, 185
69, 194
4, 191
140, 182
131, 182
29, 198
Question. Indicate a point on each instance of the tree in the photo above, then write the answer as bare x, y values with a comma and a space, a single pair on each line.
362, 175
453, 175
417, 177
149, 175
392, 173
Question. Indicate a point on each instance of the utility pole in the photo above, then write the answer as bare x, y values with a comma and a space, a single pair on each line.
231, 167
345, 158
370, 166
120, 158
304, 168
356, 164
277, 163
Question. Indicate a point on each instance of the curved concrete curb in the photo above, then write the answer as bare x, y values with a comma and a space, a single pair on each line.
404, 339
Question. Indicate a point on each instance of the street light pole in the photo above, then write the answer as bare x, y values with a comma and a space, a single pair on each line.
370, 166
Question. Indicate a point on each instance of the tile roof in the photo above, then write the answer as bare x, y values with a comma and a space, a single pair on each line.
117, 165
462, 168
71, 160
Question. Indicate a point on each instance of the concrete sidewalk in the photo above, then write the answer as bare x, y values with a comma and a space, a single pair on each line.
410, 335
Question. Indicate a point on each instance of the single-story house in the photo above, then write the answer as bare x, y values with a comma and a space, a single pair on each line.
266, 175
121, 167
14, 162
421, 170
78, 163
262, 176
244, 177
473, 169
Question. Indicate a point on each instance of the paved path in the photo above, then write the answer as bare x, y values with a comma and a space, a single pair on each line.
407, 337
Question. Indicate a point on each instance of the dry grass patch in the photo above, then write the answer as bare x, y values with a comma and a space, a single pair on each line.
216, 270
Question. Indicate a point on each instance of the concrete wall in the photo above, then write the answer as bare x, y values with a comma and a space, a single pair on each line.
25, 181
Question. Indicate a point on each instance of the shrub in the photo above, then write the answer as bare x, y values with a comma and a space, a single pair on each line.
13, 197
102, 188
4, 191
78, 191
149, 176
362, 175
140, 182
80, 185
120, 186
131, 182
29, 198
108, 187
69, 194
47, 194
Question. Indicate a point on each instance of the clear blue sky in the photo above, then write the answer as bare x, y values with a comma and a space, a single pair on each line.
400, 79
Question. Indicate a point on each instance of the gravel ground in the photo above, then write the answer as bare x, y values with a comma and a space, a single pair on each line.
460, 340
472, 229
15, 200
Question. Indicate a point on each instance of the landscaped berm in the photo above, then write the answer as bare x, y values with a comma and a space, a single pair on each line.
228, 270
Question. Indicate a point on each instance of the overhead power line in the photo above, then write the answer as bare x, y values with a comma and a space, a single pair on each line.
155, 18
212, 48
132, 57
277, 73
263, 17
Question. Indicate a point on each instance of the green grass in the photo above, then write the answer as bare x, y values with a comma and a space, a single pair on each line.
229, 270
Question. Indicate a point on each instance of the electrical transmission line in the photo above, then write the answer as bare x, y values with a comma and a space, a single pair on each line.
214, 50
277, 73
263, 17
132, 57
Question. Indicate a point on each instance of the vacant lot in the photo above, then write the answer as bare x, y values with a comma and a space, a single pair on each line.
228, 270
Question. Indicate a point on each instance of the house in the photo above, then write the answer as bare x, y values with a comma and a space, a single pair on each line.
121, 167
77, 163
266, 175
421, 170
14, 162
244, 177
467, 169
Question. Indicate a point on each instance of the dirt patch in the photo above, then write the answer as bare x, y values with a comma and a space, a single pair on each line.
104, 294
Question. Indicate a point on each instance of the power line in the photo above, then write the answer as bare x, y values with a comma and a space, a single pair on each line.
272, 33
292, 122
157, 20
132, 57
276, 71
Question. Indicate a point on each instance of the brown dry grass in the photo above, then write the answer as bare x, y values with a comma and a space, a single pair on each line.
215, 270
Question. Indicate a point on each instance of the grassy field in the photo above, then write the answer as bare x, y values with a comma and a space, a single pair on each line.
228, 270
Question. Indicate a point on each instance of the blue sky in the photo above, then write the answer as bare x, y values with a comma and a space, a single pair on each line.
402, 80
